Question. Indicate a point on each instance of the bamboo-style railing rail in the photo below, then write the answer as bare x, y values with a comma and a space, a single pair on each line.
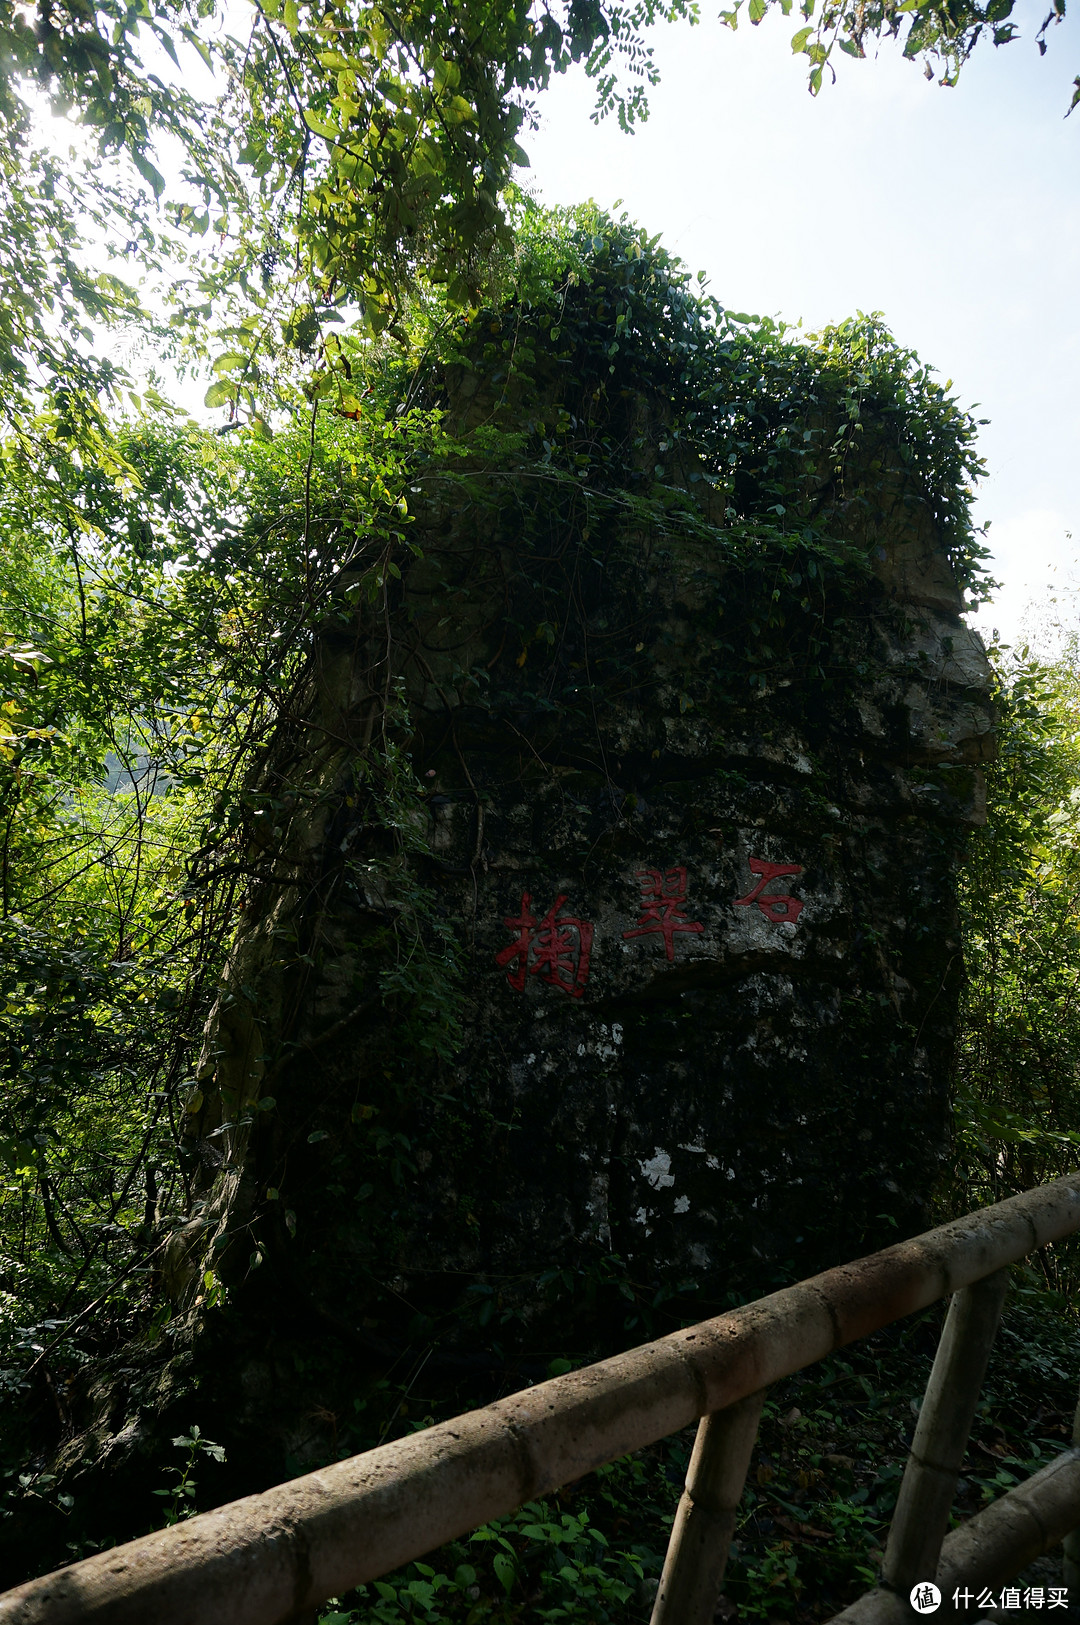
273, 1558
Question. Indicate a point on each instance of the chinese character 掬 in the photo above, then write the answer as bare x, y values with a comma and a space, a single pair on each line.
556, 948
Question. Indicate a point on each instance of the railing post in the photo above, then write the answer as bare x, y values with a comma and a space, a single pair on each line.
937, 1450
697, 1552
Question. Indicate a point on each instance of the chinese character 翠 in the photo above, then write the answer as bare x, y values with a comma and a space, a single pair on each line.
779, 908
560, 949
662, 896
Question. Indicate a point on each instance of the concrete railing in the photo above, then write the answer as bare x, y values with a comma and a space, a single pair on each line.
273, 1558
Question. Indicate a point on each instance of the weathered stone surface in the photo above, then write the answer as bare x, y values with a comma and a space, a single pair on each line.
743, 1091
599, 958
670, 1086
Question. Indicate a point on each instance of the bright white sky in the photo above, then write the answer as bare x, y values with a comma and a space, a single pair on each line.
955, 213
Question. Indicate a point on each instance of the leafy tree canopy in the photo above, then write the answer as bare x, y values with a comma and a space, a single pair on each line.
338, 153
327, 156
938, 33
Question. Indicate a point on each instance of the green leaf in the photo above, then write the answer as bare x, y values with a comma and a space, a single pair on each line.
798, 41
756, 10
166, 40
351, 167
505, 1570
223, 393
447, 76
152, 176
427, 159
193, 39
320, 127
229, 361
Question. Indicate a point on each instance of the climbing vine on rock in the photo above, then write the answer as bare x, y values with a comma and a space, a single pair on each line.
596, 580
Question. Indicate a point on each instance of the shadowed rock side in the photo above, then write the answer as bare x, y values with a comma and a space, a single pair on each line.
682, 870
703, 916
712, 952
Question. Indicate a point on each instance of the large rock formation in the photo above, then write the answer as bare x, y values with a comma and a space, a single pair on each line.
711, 942
682, 863
603, 959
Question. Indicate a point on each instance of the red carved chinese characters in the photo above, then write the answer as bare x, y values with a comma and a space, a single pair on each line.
779, 908
557, 949
662, 896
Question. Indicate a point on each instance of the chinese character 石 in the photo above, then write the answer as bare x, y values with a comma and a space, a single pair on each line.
556, 948
662, 896
779, 908
1059, 1597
